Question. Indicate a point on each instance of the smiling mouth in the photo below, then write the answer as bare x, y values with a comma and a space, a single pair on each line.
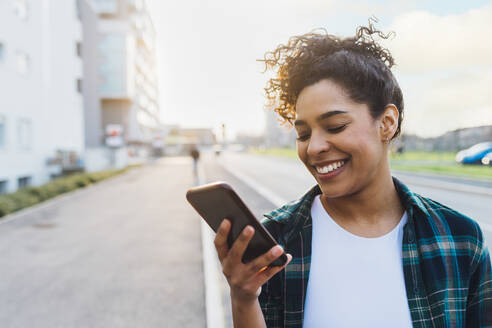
330, 167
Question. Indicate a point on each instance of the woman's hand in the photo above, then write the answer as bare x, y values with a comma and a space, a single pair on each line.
245, 280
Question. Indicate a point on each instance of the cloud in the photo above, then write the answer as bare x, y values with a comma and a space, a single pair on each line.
426, 42
447, 102
208, 51
444, 69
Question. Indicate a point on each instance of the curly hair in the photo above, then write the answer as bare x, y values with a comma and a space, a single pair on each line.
358, 64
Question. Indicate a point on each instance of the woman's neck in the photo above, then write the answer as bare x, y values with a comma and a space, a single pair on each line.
376, 205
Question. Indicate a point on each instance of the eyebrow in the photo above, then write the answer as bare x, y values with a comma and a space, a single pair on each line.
323, 116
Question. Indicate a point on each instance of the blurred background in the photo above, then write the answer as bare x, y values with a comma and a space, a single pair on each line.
92, 89
91, 85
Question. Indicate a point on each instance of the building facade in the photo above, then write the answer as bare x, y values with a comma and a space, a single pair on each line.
450, 141
41, 111
276, 133
120, 81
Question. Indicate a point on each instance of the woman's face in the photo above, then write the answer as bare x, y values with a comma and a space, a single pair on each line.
338, 140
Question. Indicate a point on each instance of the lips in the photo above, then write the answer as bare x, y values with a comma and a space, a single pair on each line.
330, 168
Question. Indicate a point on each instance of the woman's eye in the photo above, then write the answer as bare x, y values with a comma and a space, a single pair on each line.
304, 137
337, 129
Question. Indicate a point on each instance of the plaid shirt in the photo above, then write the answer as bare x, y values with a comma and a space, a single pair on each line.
446, 264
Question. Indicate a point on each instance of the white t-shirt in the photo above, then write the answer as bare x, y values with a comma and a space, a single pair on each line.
355, 281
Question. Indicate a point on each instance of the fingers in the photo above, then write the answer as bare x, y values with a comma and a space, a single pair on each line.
266, 274
240, 244
264, 260
220, 240
254, 273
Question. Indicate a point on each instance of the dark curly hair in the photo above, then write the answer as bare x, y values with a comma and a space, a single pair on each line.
358, 64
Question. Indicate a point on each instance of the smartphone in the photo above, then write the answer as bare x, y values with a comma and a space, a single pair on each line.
218, 201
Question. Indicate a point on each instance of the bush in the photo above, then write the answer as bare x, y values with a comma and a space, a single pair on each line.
29, 196
81, 180
22, 199
6, 205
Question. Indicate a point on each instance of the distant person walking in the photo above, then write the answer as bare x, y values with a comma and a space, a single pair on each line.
195, 154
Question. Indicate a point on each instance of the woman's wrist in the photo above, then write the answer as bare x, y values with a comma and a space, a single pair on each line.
247, 314
243, 300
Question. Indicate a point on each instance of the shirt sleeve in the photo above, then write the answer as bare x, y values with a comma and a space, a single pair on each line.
271, 305
479, 303
271, 297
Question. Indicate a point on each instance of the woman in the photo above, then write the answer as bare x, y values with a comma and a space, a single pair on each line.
363, 250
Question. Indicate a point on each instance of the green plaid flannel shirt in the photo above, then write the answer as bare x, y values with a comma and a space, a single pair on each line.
446, 264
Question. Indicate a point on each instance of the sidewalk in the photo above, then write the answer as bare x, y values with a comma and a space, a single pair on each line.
123, 253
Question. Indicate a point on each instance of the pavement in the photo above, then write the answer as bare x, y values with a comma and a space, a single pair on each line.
123, 253
131, 252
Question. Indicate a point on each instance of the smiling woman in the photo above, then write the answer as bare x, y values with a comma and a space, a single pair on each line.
364, 250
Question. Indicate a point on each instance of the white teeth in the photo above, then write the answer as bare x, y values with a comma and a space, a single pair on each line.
329, 168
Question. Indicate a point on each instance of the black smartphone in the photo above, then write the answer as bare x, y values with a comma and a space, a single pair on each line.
218, 201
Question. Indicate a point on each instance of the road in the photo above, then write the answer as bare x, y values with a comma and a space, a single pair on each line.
267, 182
287, 179
128, 252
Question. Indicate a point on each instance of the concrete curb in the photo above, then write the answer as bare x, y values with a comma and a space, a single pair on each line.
420, 179
213, 297
278, 201
445, 185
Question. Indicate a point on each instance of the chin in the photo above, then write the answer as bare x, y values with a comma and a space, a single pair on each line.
333, 189
330, 192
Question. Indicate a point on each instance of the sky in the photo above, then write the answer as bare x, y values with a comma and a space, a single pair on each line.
209, 74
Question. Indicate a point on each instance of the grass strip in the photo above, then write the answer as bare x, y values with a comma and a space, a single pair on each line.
26, 197
465, 171
414, 161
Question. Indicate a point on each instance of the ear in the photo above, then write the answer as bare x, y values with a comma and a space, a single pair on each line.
389, 122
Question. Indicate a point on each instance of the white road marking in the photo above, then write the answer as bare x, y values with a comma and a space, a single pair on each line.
278, 201
270, 195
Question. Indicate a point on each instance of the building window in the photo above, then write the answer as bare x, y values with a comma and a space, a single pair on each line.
20, 8
79, 85
136, 5
78, 9
22, 60
23, 182
2, 131
106, 7
24, 133
2, 52
3, 186
79, 49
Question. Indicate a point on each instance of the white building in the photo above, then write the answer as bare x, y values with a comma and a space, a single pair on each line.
40, 101
120, 81
276, 134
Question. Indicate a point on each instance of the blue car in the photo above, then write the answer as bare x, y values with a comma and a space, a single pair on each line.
487, 159
474, 154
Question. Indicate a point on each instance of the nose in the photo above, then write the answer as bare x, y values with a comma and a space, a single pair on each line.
318, 143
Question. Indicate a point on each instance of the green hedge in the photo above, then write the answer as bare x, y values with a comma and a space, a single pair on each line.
29, 196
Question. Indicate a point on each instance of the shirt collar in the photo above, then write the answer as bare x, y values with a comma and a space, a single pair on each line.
296, 214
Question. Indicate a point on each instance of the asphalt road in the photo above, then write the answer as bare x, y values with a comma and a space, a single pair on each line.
288, 179
265, 183
127, 252
123, 253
